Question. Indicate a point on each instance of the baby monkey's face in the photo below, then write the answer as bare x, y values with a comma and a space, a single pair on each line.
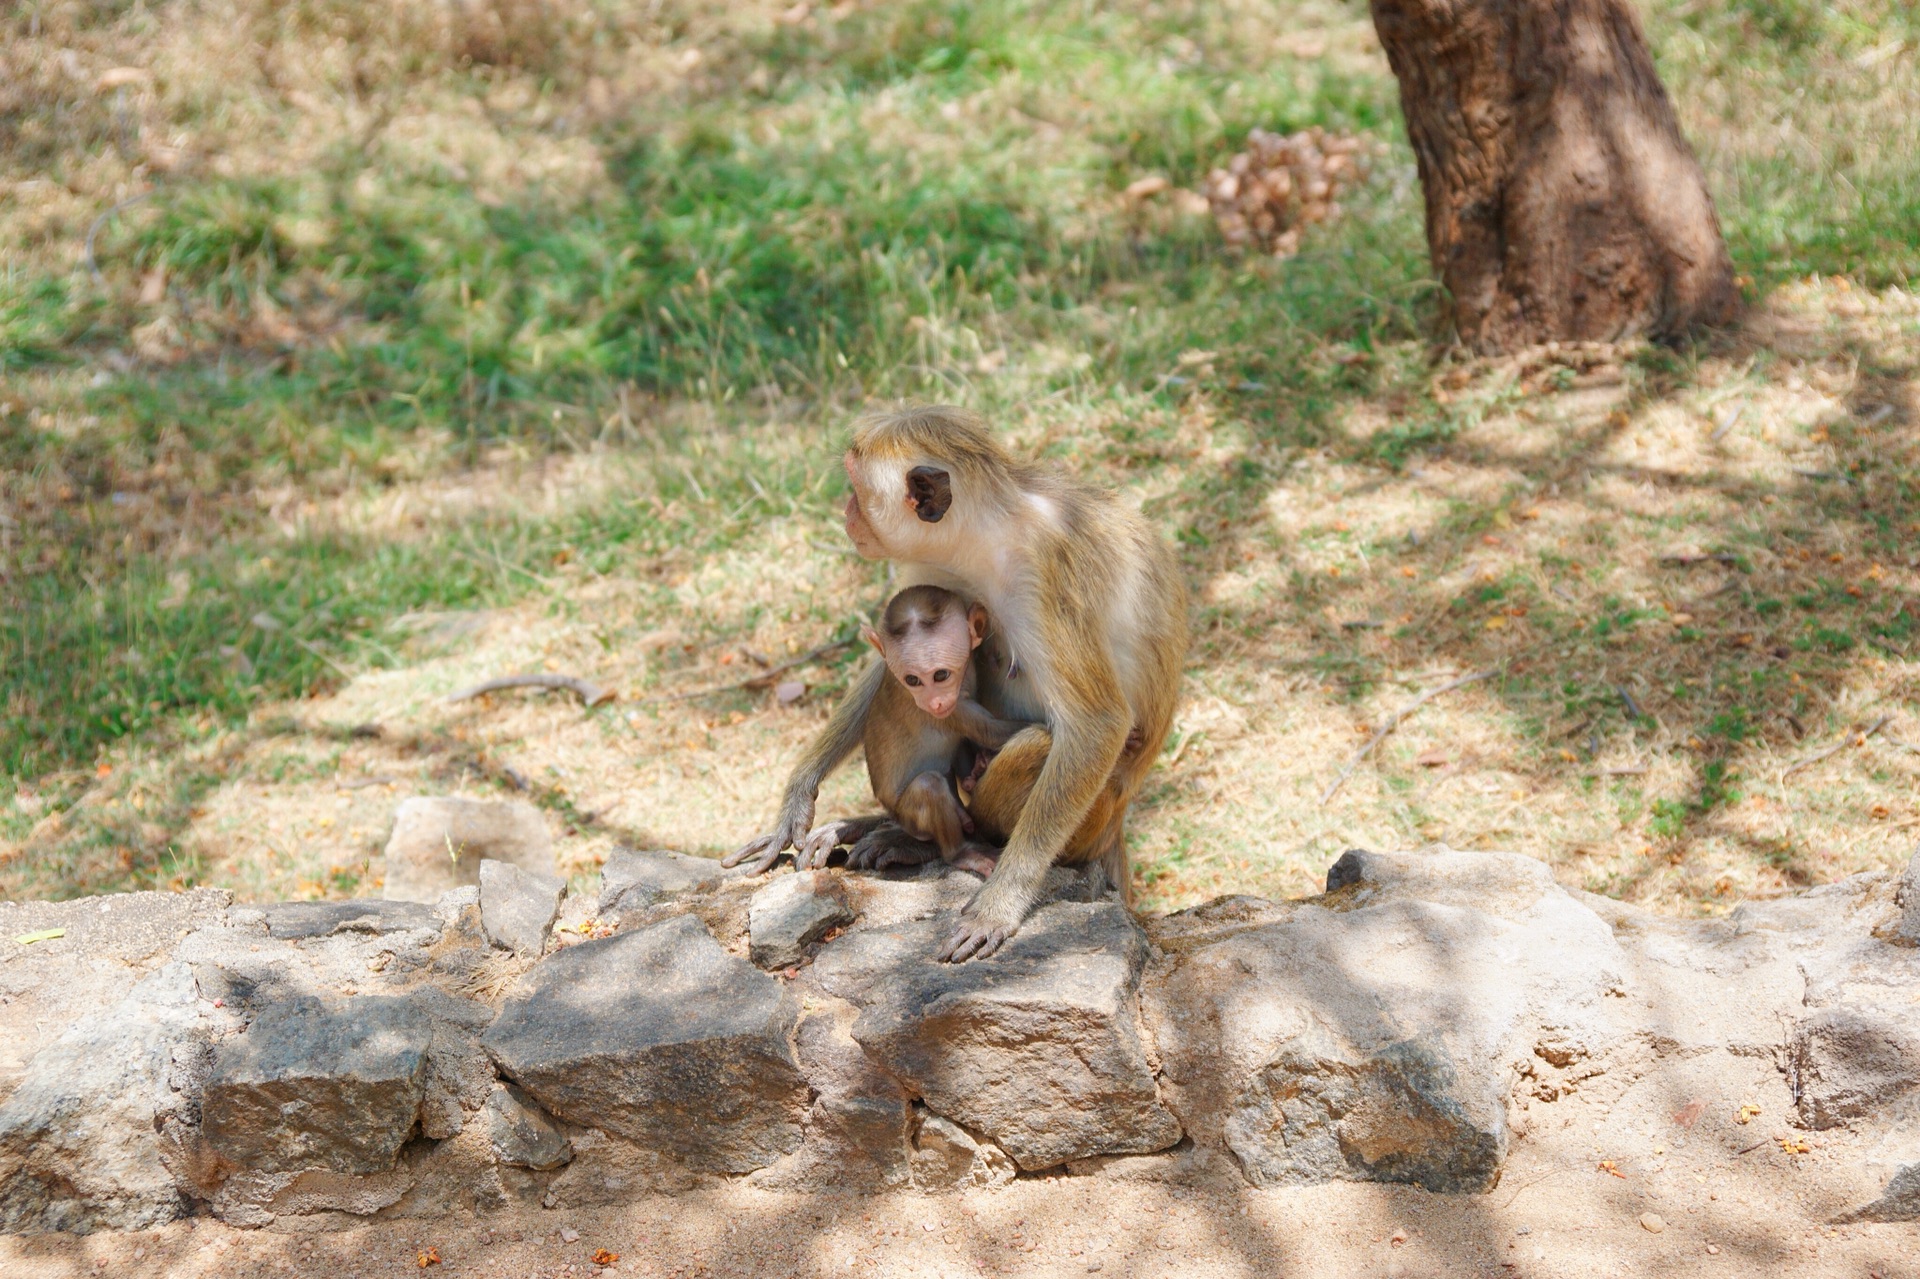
929, 655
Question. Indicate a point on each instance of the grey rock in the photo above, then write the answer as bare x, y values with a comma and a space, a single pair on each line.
790, 914
83, 1139
294, 921
1399, 1113
250, 1199
110, 944
1906, 927
857, 1132
1368, 1034
460, 1074
948, 1157
661, 1037
438, 843
1899, 1202
1039, 1048
518, 907
632, 879
522, 1134
320, 1084
1847, 1062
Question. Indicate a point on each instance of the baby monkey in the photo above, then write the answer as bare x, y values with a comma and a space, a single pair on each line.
924, 730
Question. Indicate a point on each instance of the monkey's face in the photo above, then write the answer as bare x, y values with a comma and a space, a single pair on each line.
930, 660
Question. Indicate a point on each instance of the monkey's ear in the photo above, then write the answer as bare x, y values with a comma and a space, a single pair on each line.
872, 637
976, 624
929, 492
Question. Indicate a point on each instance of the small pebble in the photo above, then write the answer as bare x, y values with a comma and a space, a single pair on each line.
1092, 1266
1652, 1223
569, 1235
1713, 1250
1399, 1237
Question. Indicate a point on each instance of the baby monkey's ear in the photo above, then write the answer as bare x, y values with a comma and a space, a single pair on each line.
976, 625
872, 637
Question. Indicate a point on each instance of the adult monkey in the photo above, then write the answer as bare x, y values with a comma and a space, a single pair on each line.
1092, 618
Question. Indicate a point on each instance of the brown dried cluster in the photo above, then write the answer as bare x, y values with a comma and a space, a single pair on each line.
1269, 193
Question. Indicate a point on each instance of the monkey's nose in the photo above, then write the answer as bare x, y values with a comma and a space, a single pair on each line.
940, 707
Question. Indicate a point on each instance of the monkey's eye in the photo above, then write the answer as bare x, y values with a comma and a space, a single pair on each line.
941, 677
913, 681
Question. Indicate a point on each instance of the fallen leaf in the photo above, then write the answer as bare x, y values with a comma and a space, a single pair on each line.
601, 1257
120, 77
1689, 1114
1432, 759
788, 692
1748, 1113
45, 934
431, 1257
1612, 1169
1145, 188
1794, 1146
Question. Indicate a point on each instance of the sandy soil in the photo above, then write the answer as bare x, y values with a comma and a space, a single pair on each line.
1545, 1220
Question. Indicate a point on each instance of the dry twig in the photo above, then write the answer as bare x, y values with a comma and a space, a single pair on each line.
765, 679
590, 695
1833, 750
1396, 720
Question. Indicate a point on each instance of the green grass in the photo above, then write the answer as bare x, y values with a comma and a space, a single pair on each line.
745, 244
826, 216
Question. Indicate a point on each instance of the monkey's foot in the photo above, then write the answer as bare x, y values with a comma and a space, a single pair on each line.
978, 858
890, 846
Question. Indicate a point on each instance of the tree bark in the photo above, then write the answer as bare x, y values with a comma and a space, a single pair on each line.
1562, 201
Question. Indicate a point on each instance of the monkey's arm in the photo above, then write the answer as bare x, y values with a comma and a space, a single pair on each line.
828, 751
1089, 720
981, 726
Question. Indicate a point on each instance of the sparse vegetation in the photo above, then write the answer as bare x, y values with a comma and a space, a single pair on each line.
351, 350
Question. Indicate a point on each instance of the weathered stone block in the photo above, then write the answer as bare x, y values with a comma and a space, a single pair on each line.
1401, 1113
522, 1134
1366, 1035
790, 914
661, 1037
1039, 1048
1848, 1062
948, 1157
316, 1084
1906, 927
518, 907
82, 1139
438, 843
297, 921
634, 879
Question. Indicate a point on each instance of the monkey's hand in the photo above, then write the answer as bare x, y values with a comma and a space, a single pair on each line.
819, 845
795, 819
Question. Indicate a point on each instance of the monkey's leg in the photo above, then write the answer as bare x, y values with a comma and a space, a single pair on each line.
822, 840
929, 810
1004, 787
1001, 802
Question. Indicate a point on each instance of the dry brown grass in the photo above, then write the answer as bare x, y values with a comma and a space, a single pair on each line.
1331, 589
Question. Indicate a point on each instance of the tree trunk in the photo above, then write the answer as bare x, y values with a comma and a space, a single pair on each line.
1562, 202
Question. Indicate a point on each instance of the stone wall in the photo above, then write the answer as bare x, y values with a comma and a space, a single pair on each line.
172, 1054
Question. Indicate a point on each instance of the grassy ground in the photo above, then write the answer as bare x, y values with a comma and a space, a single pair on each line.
353, 350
